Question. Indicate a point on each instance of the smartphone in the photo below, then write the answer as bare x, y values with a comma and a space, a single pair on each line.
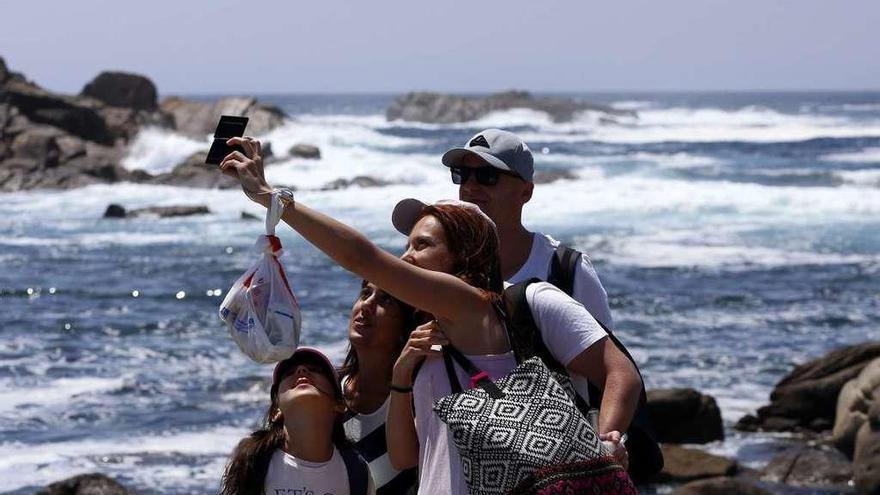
228, 127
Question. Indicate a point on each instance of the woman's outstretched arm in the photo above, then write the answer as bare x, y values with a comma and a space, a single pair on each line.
441, 294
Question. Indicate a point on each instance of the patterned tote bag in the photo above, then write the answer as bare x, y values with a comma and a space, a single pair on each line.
524, 435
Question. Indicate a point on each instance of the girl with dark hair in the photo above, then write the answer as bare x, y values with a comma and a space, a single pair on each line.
377, 331
302, 445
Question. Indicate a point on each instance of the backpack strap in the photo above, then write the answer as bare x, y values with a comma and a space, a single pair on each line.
479, 378
357, 469
563, 265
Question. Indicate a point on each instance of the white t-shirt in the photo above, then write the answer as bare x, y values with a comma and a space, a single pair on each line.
288, 475
587, 288
567, 329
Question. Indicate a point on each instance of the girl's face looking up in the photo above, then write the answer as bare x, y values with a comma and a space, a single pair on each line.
377, 320
307, 384
427, 246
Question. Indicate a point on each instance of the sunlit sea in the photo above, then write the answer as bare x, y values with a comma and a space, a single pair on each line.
737, 235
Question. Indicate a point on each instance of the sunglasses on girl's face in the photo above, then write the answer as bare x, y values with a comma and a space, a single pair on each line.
486, 176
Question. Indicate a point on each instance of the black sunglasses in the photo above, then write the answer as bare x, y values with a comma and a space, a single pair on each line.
486, 176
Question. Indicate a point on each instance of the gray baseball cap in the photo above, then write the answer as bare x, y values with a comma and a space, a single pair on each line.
501, 149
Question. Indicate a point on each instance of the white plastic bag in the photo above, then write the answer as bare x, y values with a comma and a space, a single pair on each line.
260, 311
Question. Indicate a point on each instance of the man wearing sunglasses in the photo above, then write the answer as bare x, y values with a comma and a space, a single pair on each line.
494, 170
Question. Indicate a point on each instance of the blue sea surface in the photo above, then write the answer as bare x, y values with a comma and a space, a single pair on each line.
737, 236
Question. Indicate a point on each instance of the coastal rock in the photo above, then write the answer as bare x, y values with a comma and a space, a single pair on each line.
548, 176
437, 108
39, 143
94, 164
169, 211
194, 172
121, 89
684, 415
359, 181
720, 486
114, 211
305, 151
118, 211
86, 484
4, 71
684, 464
63, 112
125, 123
805, 400
807, 467
866, 458
198, 119
853, 403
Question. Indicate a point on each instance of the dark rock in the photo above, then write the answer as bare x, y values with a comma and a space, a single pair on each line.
4, 71
684, 415
125, 123
810, 391
194, 172
446, 109
97, 165
199, 119
866, 458
360, 181
684, 464
853, 403
120, 89
249, 216
720, 486
86, 484
58, 111
305, 151
170, 211
548, 176
807, 467
38, 143
114, 211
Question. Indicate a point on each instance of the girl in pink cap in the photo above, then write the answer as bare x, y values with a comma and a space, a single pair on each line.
301, 447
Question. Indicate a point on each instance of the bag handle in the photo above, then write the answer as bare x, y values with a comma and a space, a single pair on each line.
479, 378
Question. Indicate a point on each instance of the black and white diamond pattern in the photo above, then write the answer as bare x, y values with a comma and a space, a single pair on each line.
535, 425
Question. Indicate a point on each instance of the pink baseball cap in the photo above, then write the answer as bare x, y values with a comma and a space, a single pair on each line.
298, 356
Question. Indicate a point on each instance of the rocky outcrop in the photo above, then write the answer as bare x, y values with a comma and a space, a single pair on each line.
359, 181
437, 108
117, 211
853, 403
682, 464
806, 399
199, 118
866, 458
548, 176
809, 467
121, 89
57, 141
86, 484
62, 112
194, 172
684, 415
302, 150
720, 486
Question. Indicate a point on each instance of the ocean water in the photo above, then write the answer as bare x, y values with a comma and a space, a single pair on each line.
737, 235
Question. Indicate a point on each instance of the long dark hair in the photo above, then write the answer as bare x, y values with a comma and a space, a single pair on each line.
351, 366
245, 473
